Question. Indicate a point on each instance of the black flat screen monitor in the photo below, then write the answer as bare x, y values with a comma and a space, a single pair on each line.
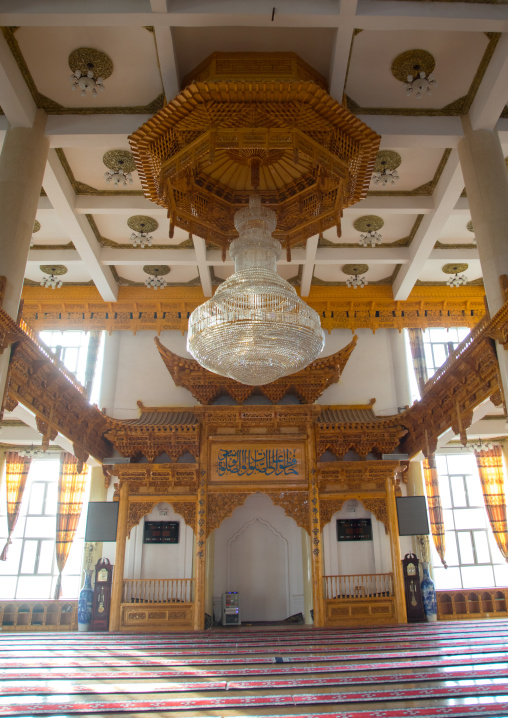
101, 521
412, 516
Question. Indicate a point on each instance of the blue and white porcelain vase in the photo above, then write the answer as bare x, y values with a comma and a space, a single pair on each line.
428, 594
85, 603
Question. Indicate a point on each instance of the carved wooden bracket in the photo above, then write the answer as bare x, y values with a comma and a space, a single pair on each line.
327, 508
220, 506
295, 505
48, 432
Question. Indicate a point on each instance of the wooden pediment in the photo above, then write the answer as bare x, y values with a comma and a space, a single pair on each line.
308, 384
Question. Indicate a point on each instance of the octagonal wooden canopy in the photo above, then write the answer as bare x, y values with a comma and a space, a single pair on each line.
254, 122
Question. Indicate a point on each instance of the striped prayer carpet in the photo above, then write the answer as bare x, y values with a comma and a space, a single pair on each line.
433, 670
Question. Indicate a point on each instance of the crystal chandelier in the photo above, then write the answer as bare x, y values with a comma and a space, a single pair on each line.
87, 82
356, 282
419, 83
481, 445
255, 329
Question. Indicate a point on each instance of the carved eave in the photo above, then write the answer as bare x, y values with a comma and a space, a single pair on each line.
157, 430
38, 381
205, 386
340, 429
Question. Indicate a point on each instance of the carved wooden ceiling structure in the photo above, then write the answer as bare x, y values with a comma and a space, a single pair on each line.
206, 387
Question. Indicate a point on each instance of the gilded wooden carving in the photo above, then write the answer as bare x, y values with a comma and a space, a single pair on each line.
205, 386
220, 506
355, 476
377, 507
247, 461
187, 510
328, 506
295, 505
150, 479
138, 509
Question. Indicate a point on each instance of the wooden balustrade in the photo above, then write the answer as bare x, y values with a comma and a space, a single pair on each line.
472, 603
158, 590
363, 585
58, 615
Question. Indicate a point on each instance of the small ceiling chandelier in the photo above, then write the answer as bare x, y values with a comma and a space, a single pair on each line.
355, 280
385, 167
53, 272
120, 164
142, 226
470, 228
89, 70
31, 453
369, 226
414, 69
255, 329
480, 445
156, 274
37, 227
457, 279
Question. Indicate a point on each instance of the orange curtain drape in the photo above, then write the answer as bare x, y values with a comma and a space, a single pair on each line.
71, 490
418, 355
435, 508
17, 474
490, 468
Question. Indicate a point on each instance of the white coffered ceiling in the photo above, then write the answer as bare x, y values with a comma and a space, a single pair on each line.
154, 44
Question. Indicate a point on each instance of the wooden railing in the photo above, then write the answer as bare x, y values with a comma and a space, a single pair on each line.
472, 603
158, 590
363, 585
38, 615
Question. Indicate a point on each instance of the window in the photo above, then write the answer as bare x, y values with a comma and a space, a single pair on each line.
439, 344
472, 555
30, 571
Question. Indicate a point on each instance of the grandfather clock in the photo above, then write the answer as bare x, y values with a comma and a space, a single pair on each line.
101, 595
412, 589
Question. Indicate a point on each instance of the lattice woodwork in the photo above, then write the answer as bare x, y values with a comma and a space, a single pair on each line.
220, 506
140, 309
206, 151
268, 419
38, 381
295, 505
138, 509
377, 437
206, 387
157, 479
329, 505
150, 441
356, 476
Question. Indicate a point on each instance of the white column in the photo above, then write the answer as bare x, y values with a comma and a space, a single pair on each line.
486, 181
400, 368
22, 163
109, 372
307, 577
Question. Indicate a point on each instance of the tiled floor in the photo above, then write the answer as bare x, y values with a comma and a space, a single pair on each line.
434, 670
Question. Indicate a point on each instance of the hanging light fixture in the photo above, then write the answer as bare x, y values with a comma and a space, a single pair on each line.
470, 228
31, 453
255, 329
457, 279
385, 167
156, 274
89, 70
481, 445
414, 69
142, 226
355, 280
120, 164
53, 272
369, 226
37, 227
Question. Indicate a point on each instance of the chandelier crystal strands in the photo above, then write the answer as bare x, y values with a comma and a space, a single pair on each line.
255, 329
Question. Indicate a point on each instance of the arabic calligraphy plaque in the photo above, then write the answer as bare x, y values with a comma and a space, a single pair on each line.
258, 462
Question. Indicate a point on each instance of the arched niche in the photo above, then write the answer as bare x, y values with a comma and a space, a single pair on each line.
258, 551
160, 560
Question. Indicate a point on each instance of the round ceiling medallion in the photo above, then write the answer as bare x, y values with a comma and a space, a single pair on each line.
412, 62
455, 268
158, 270
55, 269
368, 223
86, 58
469, 226
37, 226
353, 269
387, 160
141, 223
119, 159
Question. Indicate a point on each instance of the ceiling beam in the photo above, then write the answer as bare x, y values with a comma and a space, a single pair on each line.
342, 49
61, 195
446, 195
105, 131
47, 256
308, 267
492, 95
15, 98
203, 268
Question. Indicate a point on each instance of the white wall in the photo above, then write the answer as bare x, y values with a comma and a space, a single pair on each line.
162, 560
258, 552
355, 557
142, 374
